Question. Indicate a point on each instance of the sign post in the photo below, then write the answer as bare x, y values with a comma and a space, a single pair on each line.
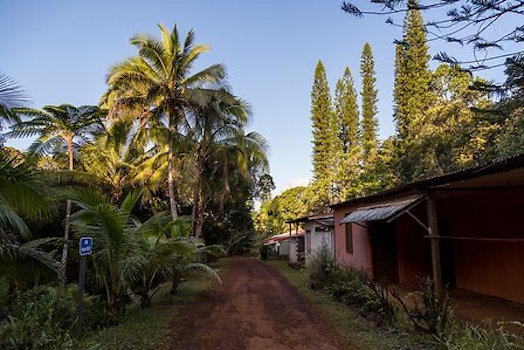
85, 248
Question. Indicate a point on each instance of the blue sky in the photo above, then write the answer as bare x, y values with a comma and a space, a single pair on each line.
59, 51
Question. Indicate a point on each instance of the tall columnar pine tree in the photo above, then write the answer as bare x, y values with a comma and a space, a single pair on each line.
369, 106
412, 93
346, 114
399, 95
323, 136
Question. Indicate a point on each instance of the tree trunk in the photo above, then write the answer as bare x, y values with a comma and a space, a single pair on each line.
197, 200
170, 181
197, 216
110, 311
63, 277
176, 280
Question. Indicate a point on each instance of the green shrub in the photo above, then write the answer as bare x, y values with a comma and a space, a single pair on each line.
323, 269
40, 318
431, 313
351, 287
45, 317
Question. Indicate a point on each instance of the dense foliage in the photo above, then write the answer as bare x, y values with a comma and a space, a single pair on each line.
163, 166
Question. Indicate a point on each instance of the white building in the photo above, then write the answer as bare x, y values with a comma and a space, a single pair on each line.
319, 232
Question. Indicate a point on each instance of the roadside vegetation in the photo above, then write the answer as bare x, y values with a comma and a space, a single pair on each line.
161, 174
373, 315
149, 328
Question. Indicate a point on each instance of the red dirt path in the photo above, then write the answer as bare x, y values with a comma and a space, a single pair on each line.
255, 308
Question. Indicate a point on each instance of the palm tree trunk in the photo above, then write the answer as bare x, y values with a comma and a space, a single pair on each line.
199, 222
197, 213
170, 183
63, 277
170, 180
197, 208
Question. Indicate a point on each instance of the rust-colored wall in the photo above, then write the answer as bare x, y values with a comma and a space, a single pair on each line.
487, 267
361, 258
414, 253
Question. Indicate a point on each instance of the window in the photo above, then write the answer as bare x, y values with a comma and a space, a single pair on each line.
349, 237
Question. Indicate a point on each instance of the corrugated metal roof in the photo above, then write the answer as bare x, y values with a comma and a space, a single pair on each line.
381, 211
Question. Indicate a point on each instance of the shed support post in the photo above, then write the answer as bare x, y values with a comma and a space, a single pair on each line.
290, 230
296, 243
435, 243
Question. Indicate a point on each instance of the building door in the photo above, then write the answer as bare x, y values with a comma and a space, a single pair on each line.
384, 251
447, 255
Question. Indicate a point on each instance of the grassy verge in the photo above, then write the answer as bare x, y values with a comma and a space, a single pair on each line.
353, 330
146, 328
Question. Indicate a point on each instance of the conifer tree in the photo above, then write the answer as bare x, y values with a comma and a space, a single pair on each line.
412, 93
415, 77
399, 96
369, 105
324, 134
346, 112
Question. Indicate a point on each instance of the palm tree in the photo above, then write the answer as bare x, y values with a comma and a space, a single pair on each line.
21, 194
117, 256
222, 148
129, 254
120, 160
59, 128
170, 254
11, 96
159, 82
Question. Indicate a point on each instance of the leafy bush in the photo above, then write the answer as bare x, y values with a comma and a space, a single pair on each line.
41, 318
351, 287
45, 317
431, 313
323, 269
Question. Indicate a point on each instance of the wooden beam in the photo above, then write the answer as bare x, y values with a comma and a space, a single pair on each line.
479, 188
435, 243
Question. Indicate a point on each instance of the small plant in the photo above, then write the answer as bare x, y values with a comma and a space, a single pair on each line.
323, 268
431, 313
381, 291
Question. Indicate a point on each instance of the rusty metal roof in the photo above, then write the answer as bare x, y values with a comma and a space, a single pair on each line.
382, 211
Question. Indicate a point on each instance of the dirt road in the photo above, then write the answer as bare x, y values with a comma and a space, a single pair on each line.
255, 308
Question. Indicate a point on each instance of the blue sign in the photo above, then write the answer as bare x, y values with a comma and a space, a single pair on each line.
86, 245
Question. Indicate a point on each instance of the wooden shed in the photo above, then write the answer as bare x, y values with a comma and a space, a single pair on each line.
463, 229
